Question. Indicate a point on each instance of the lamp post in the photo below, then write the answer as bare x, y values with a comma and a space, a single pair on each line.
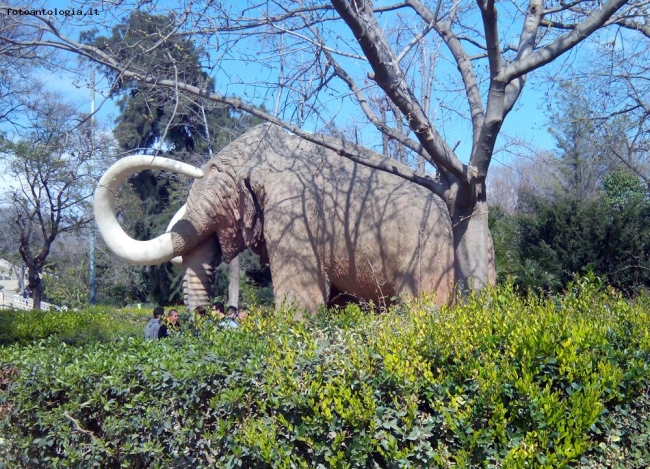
93, 233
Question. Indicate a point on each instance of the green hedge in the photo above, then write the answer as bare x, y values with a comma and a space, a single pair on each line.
72, 327
499, 381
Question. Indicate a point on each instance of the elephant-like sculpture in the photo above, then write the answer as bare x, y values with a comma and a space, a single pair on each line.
324, 224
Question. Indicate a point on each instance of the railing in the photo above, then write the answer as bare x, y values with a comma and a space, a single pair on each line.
13, 301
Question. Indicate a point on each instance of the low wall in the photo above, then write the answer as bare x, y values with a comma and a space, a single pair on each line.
14, 301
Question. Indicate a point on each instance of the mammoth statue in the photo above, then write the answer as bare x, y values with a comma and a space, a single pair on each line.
324, 224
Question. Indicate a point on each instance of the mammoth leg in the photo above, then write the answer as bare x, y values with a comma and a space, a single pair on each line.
198, 272
298, 279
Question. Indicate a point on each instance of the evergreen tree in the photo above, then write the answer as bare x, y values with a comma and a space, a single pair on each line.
626, 261
608, 234
150, 117
530, 263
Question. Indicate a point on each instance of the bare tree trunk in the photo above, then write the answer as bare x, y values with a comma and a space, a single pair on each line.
473, 248
401, 151
233, 287
421, 169
36, 287
428, 61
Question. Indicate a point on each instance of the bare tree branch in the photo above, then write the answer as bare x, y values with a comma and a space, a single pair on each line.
390, 78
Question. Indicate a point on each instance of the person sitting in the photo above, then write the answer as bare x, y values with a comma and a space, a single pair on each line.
171, 325
153, 325
230, 322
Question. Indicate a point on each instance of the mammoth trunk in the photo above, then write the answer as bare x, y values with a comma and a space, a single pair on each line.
198, 273
197, 285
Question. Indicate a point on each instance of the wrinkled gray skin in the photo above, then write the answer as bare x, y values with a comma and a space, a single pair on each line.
324, 224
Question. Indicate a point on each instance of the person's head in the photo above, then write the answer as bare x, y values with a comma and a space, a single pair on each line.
232, 311
218, 307
201, 311
158, 312
172, 316
243, 312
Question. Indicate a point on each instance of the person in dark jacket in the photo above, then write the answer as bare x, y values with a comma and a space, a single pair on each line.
171, 324
153, 325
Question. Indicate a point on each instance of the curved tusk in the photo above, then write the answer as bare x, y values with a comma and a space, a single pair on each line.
152, 252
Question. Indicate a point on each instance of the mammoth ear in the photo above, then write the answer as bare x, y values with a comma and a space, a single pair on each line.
252, 214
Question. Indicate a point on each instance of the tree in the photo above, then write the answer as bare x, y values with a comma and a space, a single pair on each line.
151, 117
533, 171
525, 260
15, 80
614, 93
627, 256
67, 280
55, 164
608, 234
302, 52
589, 146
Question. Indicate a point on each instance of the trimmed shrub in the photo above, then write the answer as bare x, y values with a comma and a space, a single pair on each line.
498, 381
72, 327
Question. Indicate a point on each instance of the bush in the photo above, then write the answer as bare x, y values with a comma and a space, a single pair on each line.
499, 380
71, 327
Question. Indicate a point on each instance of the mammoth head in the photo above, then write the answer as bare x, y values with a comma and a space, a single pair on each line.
227, 203
217, 204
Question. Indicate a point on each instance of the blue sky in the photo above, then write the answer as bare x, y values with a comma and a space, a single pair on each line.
526, 121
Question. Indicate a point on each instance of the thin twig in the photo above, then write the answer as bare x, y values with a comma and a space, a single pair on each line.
169, 122
79, 427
